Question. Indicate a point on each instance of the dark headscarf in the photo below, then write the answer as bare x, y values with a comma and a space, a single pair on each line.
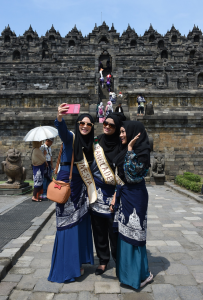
83, 142
141, 147
110, 143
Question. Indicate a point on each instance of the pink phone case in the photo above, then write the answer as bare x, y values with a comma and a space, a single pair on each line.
73, 109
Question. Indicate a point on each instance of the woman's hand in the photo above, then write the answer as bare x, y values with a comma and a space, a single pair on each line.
112, 203
61, 110
132, 142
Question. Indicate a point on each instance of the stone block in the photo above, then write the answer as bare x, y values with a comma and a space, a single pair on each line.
78, 287
180, 280
164, 291
12, 278
71, 296
189, 292
84, 295
107, 288
109, 297
27, 283
41, 296
43, 285
139, 296
20, 295
6, 288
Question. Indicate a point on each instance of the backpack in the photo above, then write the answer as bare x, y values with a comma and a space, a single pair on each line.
100, 111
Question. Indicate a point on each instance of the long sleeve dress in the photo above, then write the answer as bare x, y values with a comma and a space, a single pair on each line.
131, 223
73, 242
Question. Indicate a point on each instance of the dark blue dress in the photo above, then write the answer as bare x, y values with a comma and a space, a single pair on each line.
131, 222
73, 242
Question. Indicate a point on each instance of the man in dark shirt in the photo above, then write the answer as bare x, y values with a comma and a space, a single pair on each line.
119, 108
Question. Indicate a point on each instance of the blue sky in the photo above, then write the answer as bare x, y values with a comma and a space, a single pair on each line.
64, 14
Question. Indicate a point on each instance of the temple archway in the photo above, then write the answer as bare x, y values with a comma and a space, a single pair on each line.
161, 44
16, 55
52, 38
192, 53
200, 80
174, 39
29, 38
164, 54
7, 39
104, 39
133, 43
71, 43
152, 38
196, 38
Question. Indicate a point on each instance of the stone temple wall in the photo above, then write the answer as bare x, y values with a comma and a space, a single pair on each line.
39, 73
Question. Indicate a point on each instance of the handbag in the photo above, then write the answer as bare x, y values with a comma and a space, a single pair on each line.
59, 191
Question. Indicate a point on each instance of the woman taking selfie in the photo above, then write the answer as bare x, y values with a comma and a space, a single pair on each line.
132, 164
73, 242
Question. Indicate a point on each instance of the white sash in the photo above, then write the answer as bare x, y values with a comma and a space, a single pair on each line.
103, 165
85, 173
118, 180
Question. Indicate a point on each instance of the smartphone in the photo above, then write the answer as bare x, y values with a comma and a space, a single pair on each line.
73, 109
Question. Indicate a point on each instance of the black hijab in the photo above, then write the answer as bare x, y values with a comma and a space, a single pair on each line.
110, 143
141, 147
83, 142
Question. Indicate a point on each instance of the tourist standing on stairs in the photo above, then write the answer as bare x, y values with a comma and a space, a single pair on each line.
119, 108
73, 242
131, 204
101, 112
101, 77
109, 108
140, 101
106, 147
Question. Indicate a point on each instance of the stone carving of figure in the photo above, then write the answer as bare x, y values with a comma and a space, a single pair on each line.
158, 165
13, 168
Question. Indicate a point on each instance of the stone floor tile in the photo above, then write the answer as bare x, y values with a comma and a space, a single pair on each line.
189, 293
3, 297
43, 285
198, 224
171, 225
41, 296
107, 288
138, 296
6, 288
41, 273
84, 295
19, 295
180, 279
173, 243
156, 243
192, 262
192, 218
189, 232
12, 278
108, 297
33, 248
169, 249
198, 277
164, 292
71, 296
47, 248
21, 271
27, 283
78, 287
43, 263
177, 269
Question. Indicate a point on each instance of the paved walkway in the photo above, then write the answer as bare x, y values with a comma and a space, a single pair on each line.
175, 254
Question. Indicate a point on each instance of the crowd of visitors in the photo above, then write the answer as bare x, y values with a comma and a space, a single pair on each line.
108, 197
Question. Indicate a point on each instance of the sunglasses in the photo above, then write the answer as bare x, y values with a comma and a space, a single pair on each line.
81, 123
105, 123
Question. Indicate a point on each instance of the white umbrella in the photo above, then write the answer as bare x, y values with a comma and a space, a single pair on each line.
41, 133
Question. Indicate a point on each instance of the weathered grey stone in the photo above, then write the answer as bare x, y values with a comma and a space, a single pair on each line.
189, 292
78, 287
180, 279
41, 273
84, 296
3, 297
43, 263
12, 278
27, 283
22, 271
107, 288
43, 285
19, 295
71, 296
6, 288
41, 296
164, 291
109, 297
177, 269
138, 296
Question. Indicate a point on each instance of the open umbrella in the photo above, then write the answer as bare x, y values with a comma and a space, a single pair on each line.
41, 133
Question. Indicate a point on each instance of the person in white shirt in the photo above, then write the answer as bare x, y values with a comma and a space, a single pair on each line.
101, 77
46, 150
